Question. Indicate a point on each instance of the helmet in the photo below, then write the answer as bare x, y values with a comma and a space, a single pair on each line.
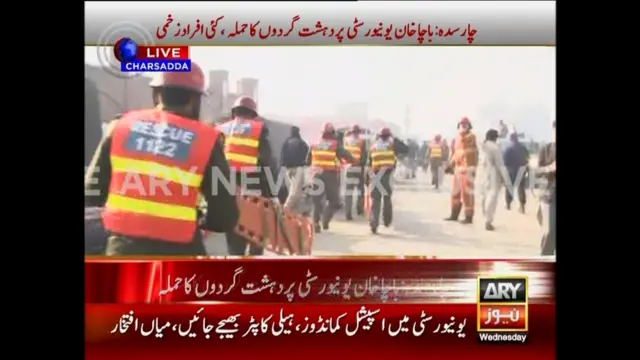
385, 131
191, 80
327, 128
464, 120
355, 128
438, 138
245, 102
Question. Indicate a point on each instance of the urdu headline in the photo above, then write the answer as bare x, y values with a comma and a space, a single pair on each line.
221, 27
283, 323
309, 287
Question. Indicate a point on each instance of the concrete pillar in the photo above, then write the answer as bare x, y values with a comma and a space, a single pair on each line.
248, 87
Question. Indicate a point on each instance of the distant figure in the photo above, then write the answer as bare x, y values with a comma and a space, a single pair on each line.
435, 158
445, 150
547, 210
422, 156
294, 157
516, 159
504, 130
493, 177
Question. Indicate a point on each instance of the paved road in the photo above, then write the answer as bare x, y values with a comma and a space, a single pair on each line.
419, 229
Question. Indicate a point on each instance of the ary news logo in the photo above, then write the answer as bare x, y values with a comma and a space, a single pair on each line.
503, 309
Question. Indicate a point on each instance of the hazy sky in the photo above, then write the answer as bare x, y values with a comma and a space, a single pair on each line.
439, 84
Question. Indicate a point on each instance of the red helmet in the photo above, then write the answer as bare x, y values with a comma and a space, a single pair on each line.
355, 129
191, 80
385, 131
245, 102
328, 128
438, 138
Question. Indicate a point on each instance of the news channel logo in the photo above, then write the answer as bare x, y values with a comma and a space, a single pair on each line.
118, 43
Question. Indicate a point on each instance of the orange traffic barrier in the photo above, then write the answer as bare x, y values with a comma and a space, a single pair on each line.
278, 231
257, 221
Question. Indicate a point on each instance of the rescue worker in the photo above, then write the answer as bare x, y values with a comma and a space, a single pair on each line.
248, 151
435, 156
152, 164
462, 165
382, 161
547, 211
493, 177
516, 159
357, 147
324, 159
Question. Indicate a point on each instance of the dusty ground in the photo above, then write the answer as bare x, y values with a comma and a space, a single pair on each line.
419, 229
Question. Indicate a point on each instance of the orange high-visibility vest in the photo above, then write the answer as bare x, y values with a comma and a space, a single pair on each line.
323, 155
157, 163
435, 151
353, 144
242, 140
465, 153
382, 155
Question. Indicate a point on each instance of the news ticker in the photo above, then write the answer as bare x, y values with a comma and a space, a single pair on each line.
141, 58
503, 309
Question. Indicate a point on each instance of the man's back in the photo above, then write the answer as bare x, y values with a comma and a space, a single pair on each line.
516, 155
294, 152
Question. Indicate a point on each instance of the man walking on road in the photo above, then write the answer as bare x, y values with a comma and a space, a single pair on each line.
354, 176
493, 174
516, 159
293, 158
324, 159
382, 162
547, 210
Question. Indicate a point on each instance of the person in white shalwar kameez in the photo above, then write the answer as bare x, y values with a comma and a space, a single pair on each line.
492, 179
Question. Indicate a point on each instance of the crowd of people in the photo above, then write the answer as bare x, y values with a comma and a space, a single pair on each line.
169, 144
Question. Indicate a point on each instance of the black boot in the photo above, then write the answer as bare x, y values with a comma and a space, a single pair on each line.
374, 229
455, 213
325, 226
508, 206
521, 208
317, 228
467, 220
489, 227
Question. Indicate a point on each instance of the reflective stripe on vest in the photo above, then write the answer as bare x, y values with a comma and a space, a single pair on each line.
435, 152
382, 155
157, 163
242, 140
353, 145
323, 155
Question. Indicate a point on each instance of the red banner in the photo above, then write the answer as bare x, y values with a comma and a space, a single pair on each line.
374, 308
305, 280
